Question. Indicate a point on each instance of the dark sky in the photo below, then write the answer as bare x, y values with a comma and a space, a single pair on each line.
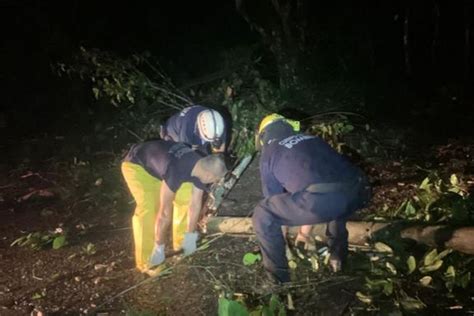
188, 36
40, 33
55, 27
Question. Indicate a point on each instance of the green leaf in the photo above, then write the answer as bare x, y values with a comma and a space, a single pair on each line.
430, 257
37, 296
96, 92
230, 308
314, 263
266, 311
411, 263
443, 254
381, 247
401, 208
20, 241
464, 280
433, 267
426, 280
366, 299
425, 184
374, 285
391, 268
251, 258
59, 242
450, 273
454, 180
258, 311
388, 288
450, 278
412, 304
90, 249
377, 285
292, 264
275, 304
410, 210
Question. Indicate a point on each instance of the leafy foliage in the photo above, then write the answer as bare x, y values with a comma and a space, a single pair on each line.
89, 249
251, 258
229, 307
393, 275
39, 240
333, 132
437, 200
138, 85
126, 81
248, 98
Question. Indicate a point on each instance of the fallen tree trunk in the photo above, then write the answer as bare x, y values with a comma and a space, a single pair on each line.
361, 233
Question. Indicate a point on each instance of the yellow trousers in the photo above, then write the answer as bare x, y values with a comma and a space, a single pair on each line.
145, 189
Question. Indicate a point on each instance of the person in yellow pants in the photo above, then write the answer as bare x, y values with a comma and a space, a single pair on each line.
167, 181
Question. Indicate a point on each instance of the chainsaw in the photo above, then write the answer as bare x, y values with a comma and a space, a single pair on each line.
220, 189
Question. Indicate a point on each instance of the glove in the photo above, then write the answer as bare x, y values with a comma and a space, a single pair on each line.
189, 243
158, 255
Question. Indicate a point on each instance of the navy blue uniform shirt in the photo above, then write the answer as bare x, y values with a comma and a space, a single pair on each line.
182, 127
294, 163
168, 161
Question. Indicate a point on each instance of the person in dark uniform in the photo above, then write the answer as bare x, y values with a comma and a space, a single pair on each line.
304, 182
197, 126
155, 171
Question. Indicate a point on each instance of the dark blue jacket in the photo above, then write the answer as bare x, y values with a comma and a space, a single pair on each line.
293, 163
182, 127
168, 161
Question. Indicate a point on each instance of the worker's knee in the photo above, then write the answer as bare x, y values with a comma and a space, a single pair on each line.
261, 219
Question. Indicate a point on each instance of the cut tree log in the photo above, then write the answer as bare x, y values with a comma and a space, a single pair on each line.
361, 233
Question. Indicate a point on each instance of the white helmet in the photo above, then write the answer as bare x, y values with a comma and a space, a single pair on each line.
210, 125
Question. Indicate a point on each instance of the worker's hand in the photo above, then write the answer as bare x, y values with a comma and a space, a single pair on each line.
158, 255
189, 243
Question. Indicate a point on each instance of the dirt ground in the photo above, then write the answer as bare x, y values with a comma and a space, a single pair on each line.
76, 279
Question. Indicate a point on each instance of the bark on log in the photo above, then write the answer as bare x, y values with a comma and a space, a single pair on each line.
360, 233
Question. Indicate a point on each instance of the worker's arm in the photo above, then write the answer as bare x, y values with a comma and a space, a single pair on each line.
219, 150
195, 207
165, 213
162, 223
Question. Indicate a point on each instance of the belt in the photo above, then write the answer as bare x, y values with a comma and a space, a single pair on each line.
329, 187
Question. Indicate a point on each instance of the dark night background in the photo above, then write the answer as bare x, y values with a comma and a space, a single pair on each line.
400, 74
358, 43
185, 37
